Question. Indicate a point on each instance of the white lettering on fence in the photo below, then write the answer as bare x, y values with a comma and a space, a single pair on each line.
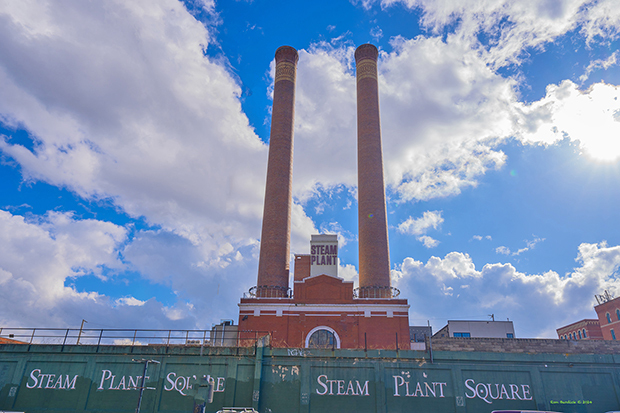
50, 381
341, 387
489, 392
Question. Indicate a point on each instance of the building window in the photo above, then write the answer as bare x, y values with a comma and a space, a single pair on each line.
584, 333
462, 335
322, 337
510, 335
618, 314
579, 334
608, 318
613, 335
574, 336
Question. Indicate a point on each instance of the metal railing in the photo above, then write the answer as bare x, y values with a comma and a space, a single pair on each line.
227, 337
269, 291
376, 292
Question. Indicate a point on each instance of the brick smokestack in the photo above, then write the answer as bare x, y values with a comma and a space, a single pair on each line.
273, 265
374, 256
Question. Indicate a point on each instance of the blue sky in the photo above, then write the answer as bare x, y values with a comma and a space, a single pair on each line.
134, 139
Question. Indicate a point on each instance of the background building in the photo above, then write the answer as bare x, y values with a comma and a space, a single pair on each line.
418, 335
606, 327
608, 312
588, 329
478, 329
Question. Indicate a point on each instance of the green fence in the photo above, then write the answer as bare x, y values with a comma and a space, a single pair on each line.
59, 378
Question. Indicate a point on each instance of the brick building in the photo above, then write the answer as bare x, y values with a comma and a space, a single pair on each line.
608, 312
588, 329
324, 310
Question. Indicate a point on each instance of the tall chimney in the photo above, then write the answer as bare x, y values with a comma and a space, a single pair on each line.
374, 256
273, 265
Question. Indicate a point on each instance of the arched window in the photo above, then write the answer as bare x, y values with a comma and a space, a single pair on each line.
618, 313
608, 318
613, 335
322, 337
579, 334
574, 336
584, 333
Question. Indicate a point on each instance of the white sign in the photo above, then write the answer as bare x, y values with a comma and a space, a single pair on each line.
324, 255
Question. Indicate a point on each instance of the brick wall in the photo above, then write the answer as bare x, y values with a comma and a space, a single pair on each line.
520, 345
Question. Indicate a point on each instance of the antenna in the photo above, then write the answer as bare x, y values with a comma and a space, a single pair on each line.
603, 298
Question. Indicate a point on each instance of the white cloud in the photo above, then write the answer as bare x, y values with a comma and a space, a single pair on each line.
428, 241
43, 257
131, 301
124, 105
325, 121
349, 273
344, 236
598, 64
585, 116
444, 106
376, 33
514, 26
503, 250
419, 226
450, 287
38, 256
213, 285
441, 106
530, 245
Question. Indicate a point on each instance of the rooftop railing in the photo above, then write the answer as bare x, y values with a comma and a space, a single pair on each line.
376, 292
269, 291
221, 336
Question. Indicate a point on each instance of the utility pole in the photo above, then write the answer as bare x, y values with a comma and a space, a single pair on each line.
146, 365
80, 333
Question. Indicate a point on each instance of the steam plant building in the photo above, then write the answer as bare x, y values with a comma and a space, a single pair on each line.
322, 310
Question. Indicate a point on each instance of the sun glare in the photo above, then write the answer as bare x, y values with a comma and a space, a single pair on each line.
593, 118
604, 148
